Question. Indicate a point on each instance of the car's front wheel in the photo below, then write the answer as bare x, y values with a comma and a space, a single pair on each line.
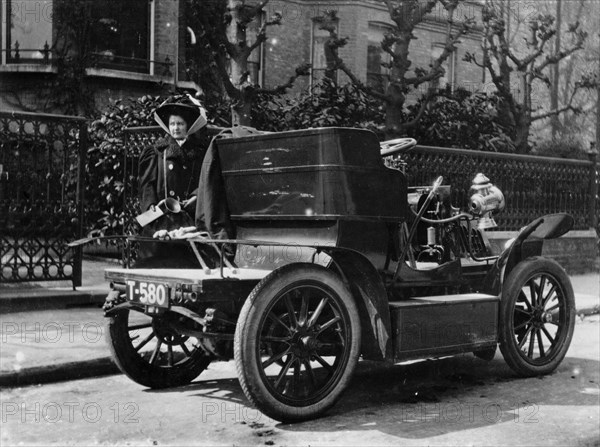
537, 316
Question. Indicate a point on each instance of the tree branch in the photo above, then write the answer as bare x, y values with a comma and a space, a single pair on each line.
567, 107
555, 58
471, 58
436, 70
409, 12
545, 36
302, 70
422, 108
251, 12
554, 112
261, 36
365, 88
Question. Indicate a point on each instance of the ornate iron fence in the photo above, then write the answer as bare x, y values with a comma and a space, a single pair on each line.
42, 164
532, 186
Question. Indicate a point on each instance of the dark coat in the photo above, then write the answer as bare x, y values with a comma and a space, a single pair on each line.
183, 165
179, 166
212, 210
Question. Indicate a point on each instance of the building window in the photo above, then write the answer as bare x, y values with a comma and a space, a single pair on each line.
449, 66
318, 57
120, 35
377, 74
26, 31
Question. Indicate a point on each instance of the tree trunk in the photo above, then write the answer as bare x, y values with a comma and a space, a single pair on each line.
394, 116
242, 104
522, 134
240, 113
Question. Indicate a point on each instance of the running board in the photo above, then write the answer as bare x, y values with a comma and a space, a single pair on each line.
444, 325
444, 299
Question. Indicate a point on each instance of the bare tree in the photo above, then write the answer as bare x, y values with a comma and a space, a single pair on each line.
529, 67
223, 27
403, 79
578, 69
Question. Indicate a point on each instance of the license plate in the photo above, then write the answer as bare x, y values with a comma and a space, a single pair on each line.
148, 293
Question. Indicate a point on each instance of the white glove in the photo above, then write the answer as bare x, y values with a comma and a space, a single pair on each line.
161, 234
180, 233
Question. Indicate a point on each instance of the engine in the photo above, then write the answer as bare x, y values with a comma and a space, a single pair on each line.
445, 232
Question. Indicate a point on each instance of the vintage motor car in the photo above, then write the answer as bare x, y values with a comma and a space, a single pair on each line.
337, 259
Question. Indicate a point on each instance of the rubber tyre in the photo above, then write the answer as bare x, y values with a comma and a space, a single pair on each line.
303, 395
537, 316
138, 367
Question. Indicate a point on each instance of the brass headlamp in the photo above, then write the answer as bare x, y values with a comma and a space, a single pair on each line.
486, 200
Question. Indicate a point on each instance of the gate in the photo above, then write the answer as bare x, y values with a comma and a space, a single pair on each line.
42, 163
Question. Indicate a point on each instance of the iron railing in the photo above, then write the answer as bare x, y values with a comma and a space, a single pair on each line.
44, 56
19, 55
532, 185
42, 159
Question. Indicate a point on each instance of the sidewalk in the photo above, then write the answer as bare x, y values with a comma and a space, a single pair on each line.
50, 332
17, 297
53, 333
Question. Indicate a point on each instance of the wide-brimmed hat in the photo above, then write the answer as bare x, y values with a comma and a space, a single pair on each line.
189, 108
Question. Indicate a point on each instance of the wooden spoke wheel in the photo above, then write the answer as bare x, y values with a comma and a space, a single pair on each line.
297, 342
150, 352
537, 316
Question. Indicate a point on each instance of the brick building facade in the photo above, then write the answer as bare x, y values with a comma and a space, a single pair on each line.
364, 22
146, 53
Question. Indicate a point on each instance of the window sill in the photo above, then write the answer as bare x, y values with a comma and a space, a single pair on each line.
118, 74
27, 68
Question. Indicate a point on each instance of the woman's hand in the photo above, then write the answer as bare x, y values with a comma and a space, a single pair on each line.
161, 234
180, 233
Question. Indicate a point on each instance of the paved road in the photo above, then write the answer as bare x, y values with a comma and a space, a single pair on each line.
455, 401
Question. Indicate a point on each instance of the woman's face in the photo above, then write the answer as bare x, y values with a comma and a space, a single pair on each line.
178, 127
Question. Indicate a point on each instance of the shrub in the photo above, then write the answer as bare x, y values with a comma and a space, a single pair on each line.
565, 147
463, 120
106, 213
325, 105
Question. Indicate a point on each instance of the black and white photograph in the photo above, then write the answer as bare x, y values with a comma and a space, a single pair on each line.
300, 223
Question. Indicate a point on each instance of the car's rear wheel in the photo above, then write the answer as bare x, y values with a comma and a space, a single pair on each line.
297, 342
537, 316
150, 352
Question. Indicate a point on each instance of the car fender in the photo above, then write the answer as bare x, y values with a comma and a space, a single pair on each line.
528, 242
371, 298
